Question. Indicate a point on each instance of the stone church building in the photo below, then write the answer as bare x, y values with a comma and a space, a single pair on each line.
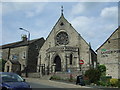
63, 49
109, 54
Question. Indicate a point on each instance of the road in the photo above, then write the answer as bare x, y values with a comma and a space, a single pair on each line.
41, 86
37, 85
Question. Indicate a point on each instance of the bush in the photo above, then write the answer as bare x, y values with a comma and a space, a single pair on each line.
114, 82
93, 75
102, 69
105, 78
55, 77
118, 83
103, 83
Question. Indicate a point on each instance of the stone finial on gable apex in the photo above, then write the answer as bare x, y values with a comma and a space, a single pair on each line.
61, 10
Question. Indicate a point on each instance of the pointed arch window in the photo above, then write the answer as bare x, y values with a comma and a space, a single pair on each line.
71, 56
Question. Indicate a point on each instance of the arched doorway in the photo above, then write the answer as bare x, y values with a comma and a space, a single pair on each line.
57, 61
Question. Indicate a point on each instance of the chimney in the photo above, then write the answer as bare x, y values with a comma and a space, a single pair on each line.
24, 37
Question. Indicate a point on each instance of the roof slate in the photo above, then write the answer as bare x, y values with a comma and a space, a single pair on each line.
14, 62
19, 43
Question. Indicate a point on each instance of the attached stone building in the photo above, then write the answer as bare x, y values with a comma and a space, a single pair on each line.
63, 49
21, 55
109, 54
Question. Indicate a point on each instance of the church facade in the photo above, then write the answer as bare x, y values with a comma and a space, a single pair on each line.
63, 49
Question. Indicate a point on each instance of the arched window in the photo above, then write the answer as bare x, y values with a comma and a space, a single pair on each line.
71, 59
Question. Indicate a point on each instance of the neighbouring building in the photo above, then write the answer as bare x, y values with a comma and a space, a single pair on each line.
109, 54
63, 49
21, 55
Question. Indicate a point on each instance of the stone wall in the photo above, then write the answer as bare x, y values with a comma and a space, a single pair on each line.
33, 53
5, 53
21, 53
108, 54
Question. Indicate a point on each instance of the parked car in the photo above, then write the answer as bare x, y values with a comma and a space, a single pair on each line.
12, 81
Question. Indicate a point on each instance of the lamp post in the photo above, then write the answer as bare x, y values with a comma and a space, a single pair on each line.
26, 71
26, 31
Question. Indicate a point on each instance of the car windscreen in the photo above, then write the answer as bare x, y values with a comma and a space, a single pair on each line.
11, 78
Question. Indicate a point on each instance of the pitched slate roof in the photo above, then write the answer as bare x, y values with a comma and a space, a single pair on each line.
19, 43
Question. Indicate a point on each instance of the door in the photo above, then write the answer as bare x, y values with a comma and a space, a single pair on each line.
8, 68
57, 61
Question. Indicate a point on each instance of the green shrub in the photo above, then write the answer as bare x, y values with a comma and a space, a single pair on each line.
102, 69
103, 83
114, 82
71, 79
55, 77
118, 83
93, 75
87, 82
105, 78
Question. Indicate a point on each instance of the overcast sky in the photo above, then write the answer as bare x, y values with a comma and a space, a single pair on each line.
95, 21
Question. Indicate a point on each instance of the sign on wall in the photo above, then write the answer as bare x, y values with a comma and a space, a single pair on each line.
105, 53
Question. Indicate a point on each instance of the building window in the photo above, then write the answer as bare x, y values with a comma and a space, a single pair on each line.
61, 24
24, 55
71, 59
62, 38
14, 57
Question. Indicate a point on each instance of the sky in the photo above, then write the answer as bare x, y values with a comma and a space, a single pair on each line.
95, 21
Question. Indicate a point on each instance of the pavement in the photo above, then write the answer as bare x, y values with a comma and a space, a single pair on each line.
54, 83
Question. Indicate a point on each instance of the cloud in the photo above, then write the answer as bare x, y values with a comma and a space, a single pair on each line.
84, 8
24, 0
110, 12
98, 28
29, 9
77, 9
59, 0
89, 19
36, 10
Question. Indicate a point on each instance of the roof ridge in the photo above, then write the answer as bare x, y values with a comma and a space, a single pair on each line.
19, 43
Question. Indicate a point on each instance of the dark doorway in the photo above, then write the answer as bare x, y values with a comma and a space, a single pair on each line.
57, 61
8, 68
71, 59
